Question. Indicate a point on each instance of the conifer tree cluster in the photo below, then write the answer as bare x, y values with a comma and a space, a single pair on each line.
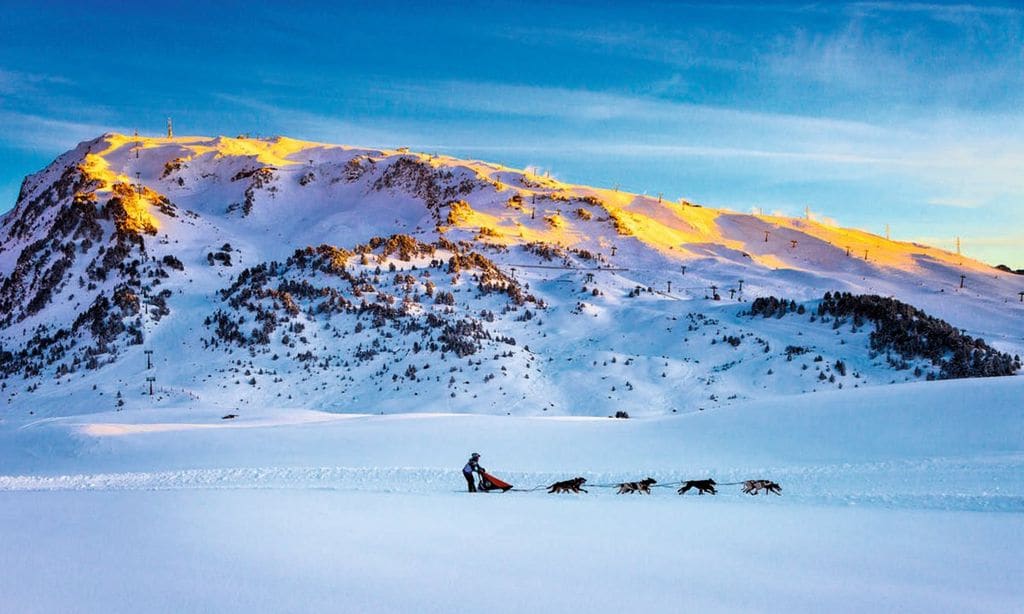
904, 330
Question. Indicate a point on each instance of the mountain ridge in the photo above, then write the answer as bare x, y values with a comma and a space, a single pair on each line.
158, 231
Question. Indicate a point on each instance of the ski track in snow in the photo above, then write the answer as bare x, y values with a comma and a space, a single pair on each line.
994, 485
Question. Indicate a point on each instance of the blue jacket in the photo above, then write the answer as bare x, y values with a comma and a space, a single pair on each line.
471, 467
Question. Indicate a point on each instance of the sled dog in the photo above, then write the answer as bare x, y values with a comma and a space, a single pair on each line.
642, 487
753, 487
573, 485
702, 486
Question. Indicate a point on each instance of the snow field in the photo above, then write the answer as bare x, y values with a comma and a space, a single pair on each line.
316, 550
904, 498
938, 445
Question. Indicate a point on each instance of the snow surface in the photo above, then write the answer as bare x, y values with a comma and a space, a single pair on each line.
317, 550
902, 498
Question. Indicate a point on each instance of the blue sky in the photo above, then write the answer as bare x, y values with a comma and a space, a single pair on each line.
870, 113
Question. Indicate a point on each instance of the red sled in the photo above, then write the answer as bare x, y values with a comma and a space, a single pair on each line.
488, 483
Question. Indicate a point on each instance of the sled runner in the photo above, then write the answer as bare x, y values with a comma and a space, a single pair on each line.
488, 483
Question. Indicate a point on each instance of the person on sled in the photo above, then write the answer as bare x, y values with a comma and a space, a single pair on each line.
473, 466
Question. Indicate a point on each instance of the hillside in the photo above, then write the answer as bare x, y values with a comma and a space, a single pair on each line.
275, 272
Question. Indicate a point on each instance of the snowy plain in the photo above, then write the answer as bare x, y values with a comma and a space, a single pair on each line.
902, 498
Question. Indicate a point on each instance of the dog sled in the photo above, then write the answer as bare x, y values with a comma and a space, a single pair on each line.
490, 483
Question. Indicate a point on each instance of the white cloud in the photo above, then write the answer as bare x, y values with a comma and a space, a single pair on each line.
960, 203
939, 10
882, 55
14, 82
318, 127
47, 135
961, 159
588, 105
963, 156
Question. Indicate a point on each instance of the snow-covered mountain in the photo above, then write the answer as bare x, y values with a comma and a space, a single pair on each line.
276, 272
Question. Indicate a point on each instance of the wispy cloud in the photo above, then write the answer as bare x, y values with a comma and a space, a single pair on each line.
683, 130
959, 203
34, 108
964, 159
861, 55
48, 135
17, 82
317, 126
708, 48
553, 102
884, 55
940, 9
